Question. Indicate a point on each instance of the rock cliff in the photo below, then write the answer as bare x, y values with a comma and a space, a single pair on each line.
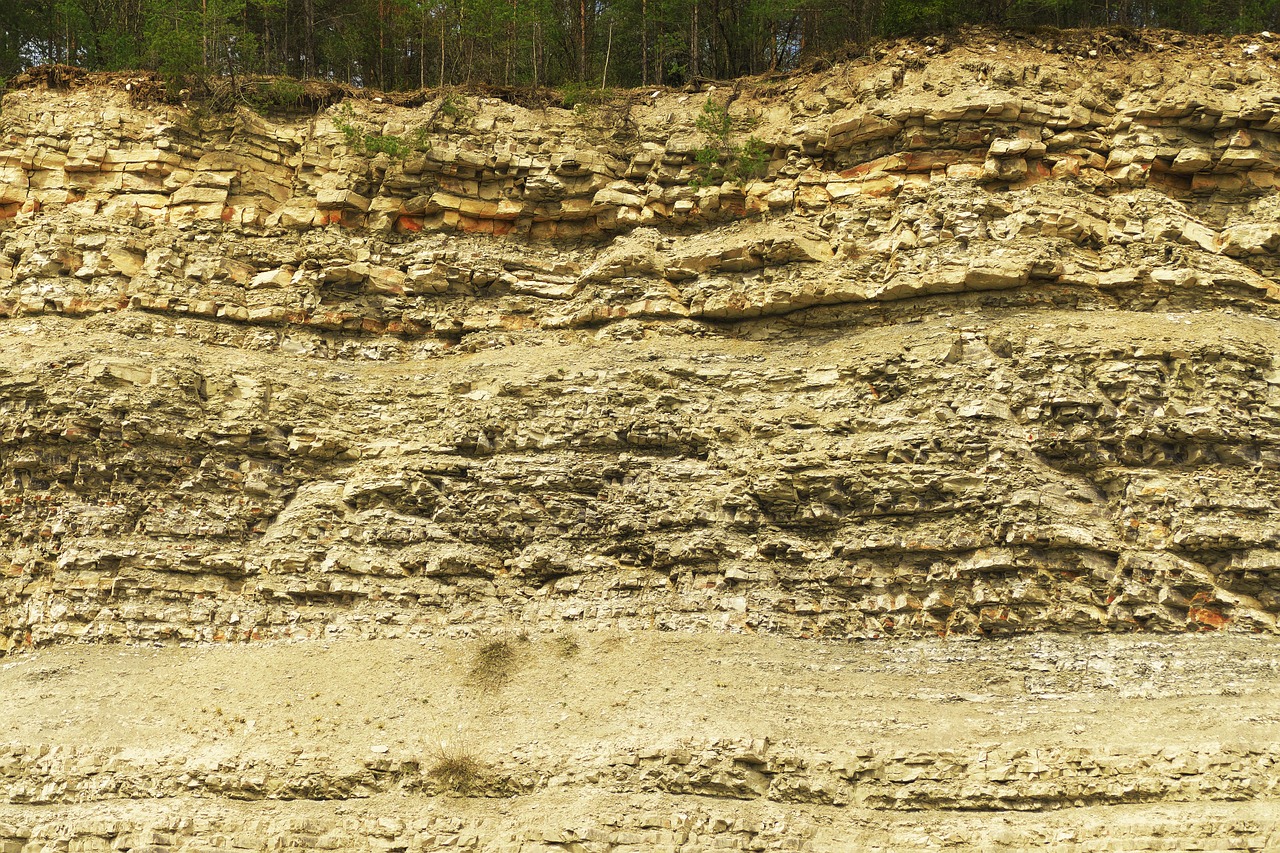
984, 346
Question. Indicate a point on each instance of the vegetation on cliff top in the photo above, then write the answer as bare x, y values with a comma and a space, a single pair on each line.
403, 44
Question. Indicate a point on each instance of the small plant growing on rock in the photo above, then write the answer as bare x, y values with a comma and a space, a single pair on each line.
456, 768
494, 664
454, 107
344, 121
364, 142
715, 122
724, 160
392, 146
453, 110
752, 159
420, 140
582, 97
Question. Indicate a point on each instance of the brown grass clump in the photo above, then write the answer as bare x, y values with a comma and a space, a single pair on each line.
566, 645
494, 664
457, 769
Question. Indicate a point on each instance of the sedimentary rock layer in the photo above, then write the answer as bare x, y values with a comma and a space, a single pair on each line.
983, 348
989, 348
648, 741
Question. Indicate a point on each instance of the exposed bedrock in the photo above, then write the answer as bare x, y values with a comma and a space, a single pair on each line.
977, 363
1028, 470
989, 348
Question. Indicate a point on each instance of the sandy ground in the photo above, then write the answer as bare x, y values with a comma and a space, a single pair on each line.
569, 692
569, 697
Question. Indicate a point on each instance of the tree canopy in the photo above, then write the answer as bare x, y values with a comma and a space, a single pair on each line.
404, 44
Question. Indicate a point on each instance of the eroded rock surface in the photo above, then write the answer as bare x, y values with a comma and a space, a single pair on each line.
989, 349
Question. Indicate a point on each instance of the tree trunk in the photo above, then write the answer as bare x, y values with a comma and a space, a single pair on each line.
382, 45
694, 70
309, 38
604, 78
644, 42
582, 40
511, 44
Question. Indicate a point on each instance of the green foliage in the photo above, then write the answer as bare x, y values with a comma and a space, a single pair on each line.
364, 142
392, 146
714, 121
709, 169
411, 44
279, 95
454, 107
914, 16
173, 45
285, 92
345, 122
582, 97
420, 140
752, 159
723, 159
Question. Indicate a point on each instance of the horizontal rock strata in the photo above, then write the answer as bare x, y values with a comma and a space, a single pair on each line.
983, 779
1032, 472
579, 743
982, 351
233, 827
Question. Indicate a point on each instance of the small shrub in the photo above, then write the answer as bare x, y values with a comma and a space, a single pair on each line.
565, 645
456, 768
723, 160
581, 97
281, 94
345, 122
493, 665
714, 121
454, 107
286, 92
363, 142
392, 146
419, 140
752, 160
710, 170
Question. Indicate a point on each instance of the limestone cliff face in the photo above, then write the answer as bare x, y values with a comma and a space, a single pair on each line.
991, 348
